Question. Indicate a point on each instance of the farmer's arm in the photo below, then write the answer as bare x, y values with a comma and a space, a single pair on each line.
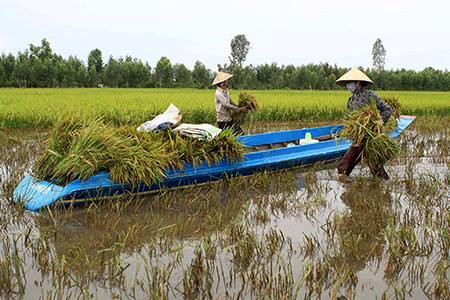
385, 110
226, 103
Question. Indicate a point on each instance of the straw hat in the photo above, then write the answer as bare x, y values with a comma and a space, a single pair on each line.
353, 75
221, 77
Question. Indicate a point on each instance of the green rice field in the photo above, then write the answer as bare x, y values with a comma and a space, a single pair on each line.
42, 107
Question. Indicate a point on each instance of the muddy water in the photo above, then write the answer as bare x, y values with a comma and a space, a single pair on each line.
293, 234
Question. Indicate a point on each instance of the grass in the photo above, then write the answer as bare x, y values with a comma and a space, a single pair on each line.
43, 107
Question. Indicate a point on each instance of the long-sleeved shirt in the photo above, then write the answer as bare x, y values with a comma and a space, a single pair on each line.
361, 98
224, 106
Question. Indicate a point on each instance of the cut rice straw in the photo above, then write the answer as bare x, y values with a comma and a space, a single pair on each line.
79, 149
365, 126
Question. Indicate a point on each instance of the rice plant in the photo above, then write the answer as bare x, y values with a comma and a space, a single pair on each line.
365, 127
43, 108
79, 150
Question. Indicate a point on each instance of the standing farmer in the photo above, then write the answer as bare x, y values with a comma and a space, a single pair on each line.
358, 84
224, 106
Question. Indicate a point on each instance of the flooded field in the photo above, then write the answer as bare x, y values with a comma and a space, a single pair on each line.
297, 233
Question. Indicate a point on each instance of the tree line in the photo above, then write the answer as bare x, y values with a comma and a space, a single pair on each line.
39, 66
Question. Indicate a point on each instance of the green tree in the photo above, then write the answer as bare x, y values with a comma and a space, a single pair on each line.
239, 49
7, 63
201, 76
164, 73
41, 65
182, 76
290, 77
378, 55
269, 76
95, 60
135, 73
59, 71
76, 72
22, 69
113, 73
95, 67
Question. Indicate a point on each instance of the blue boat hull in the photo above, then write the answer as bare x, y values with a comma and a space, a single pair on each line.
36, 194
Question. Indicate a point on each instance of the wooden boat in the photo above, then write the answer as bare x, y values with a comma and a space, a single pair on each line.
267, 151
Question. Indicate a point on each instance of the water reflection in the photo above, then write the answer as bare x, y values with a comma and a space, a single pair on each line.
361, 227
97, 243
85, 237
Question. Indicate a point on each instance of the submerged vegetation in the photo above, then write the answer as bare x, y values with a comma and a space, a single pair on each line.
80, 148
291, 234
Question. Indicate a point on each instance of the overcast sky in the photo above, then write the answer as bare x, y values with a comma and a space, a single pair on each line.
416, 34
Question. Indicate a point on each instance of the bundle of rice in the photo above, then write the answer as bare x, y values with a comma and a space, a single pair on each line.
59, 142
248, 101
395, 105
137, 157
379, 150
80, 149
183, 149
190, 150
365, 126
87, 154
224, 146
393, 102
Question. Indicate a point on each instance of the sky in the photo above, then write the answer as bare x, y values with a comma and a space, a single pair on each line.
415, 34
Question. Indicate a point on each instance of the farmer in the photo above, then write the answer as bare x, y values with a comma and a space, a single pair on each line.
358, 84
224, 106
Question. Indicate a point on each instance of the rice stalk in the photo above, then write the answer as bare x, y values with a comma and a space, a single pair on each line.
395, 105
365, 126
248, 101
80, 150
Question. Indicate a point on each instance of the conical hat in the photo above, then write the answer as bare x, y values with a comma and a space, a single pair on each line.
221, 77
353, 75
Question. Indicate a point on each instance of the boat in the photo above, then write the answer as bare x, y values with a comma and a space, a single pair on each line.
265, 151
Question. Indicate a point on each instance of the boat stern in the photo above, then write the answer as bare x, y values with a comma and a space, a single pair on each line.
35, 194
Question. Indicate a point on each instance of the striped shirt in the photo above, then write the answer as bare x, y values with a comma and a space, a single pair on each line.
224, 106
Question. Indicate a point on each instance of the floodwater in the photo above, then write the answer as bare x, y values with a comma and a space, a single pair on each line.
297, 233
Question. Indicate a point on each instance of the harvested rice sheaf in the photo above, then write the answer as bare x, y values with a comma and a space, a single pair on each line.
365, 126
393, 102
78, 150
248, 101
59, 144
245, 100
395, 105
137, 157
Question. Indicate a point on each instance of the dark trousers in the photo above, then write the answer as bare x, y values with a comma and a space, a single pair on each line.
230, 125
352, 157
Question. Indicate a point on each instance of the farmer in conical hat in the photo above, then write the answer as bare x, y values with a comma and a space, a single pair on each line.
359, 85
224, 106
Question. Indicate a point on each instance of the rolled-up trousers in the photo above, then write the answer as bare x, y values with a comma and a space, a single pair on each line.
352, 157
